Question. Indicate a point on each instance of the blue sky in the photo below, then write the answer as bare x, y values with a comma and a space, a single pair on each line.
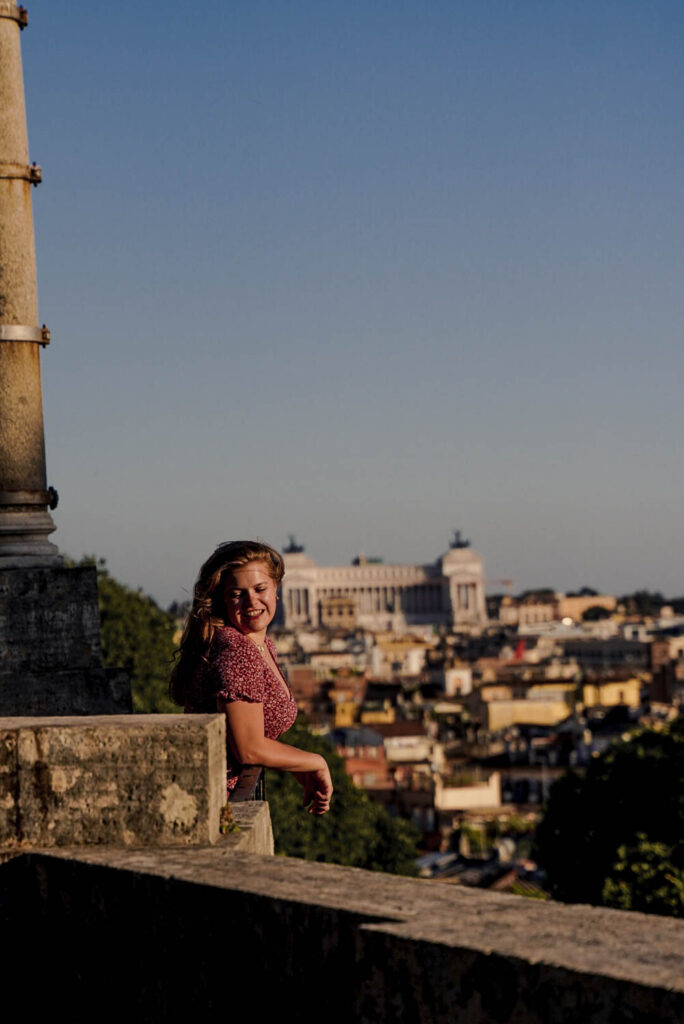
365, 272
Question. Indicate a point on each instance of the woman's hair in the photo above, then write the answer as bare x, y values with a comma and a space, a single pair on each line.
208, 612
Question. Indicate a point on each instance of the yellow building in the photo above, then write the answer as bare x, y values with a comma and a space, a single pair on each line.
575, 607
549, 607
554, 689
481, 792
394, 656
611, 692
379, 716
500, 714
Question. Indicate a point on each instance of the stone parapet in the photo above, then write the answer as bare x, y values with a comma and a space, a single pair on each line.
253, 832
132, 780
195, 931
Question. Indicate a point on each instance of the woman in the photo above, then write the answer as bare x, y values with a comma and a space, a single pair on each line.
227, 663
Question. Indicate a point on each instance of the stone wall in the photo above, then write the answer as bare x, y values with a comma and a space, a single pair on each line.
133, 780
50, 654
161, 934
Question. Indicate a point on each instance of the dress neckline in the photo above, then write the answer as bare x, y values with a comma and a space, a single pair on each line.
279, 679
282, 681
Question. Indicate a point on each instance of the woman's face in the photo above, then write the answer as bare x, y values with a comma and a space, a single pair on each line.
250, 596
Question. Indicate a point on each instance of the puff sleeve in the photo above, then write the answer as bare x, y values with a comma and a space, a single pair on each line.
239, 668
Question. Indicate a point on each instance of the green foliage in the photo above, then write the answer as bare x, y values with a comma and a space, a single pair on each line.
647, 877
482, 837
595, 613
355, 832
527, 889
477, 839
227, 822
614, 836
517, 825
537, 594
643, 602
137, 635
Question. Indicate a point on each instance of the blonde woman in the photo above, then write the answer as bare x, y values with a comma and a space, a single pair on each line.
228, 664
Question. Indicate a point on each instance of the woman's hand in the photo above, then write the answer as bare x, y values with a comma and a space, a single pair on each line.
318, 789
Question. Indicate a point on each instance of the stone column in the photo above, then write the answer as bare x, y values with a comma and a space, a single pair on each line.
50, 653
24, 519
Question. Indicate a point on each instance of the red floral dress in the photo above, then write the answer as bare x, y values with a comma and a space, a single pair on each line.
234, 670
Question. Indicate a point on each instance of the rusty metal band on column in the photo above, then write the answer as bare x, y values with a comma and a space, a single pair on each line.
22, 172
8, 9
25, 497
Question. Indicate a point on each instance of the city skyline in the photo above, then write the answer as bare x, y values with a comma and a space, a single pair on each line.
366, 274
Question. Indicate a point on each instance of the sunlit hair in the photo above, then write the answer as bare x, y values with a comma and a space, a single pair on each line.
208, 612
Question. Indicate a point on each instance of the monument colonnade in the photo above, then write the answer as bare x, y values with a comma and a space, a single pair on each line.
449, 592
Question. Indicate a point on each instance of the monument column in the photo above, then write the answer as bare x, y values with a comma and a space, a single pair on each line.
24, 498
50, 652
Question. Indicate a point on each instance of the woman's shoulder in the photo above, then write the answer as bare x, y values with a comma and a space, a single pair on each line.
237, 665
228, 633
230, 637
230, 646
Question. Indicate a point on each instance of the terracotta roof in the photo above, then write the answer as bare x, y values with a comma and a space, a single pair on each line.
390, 729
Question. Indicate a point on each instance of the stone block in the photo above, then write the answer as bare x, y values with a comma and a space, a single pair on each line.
254, 832
50, 653
132, 780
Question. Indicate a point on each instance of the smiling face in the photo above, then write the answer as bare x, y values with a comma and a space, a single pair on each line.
250, 596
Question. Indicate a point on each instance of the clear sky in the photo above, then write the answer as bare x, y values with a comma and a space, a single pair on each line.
364, 271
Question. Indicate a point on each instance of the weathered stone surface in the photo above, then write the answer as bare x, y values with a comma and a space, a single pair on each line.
254, 832
129, 779
50, 653
194, 930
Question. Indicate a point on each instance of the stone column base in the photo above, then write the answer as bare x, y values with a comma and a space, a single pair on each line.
50, 654
24, 539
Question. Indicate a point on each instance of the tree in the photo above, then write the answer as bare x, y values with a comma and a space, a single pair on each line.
538, 594
616, 836
138, 636
356, 832
647, 877
595, 613
643, 602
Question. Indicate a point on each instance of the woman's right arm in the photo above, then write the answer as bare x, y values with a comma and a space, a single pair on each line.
249, 744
